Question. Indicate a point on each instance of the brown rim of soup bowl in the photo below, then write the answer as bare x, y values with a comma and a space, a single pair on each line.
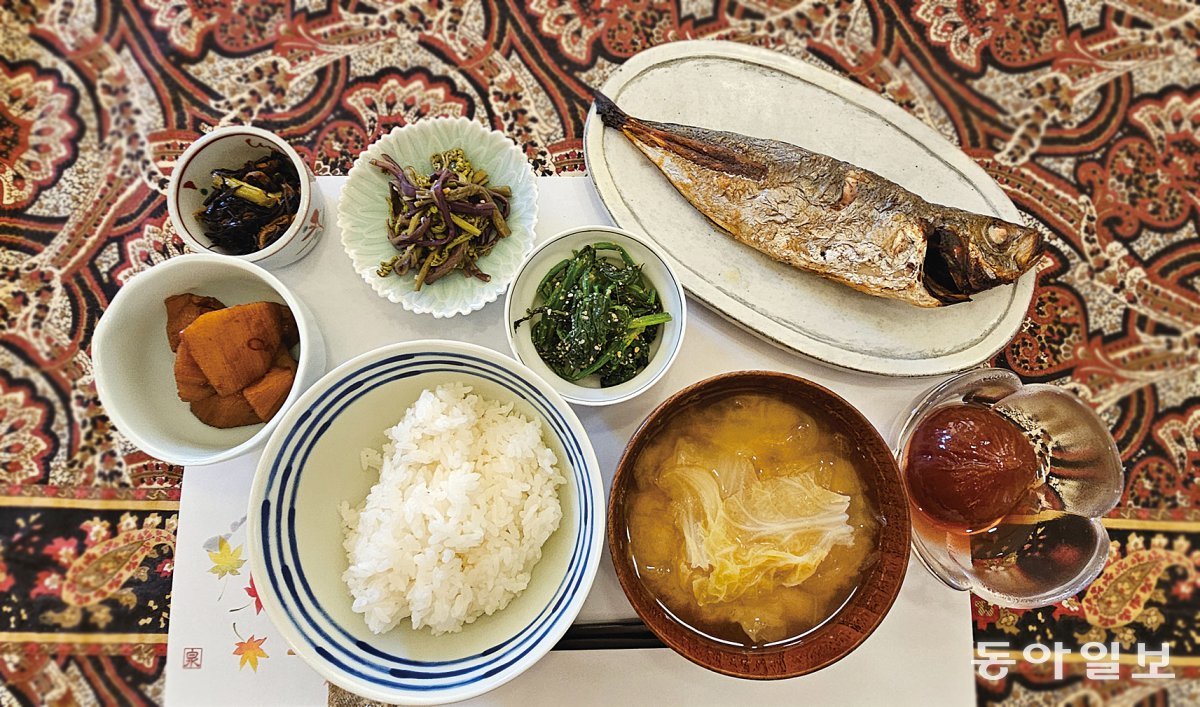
877, 591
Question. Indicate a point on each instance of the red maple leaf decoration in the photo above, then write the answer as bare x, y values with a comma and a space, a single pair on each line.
252, 592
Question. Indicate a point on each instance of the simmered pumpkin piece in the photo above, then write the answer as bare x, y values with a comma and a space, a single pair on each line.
190, 381
184, 309
232, 365
235, 346
267, 394
284, 359
287, 324
225, 411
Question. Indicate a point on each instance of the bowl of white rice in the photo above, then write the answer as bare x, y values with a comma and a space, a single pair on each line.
426, 522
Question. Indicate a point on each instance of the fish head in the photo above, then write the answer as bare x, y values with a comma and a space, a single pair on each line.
1002, 250
969, 253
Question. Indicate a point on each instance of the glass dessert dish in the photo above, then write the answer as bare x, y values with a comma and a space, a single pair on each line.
1007, 484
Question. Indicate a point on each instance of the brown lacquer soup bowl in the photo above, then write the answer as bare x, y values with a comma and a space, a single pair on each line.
759, 525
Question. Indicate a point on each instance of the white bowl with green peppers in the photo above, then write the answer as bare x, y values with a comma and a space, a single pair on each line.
598, 312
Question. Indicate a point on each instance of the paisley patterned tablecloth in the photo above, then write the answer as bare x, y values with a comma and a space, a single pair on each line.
1087, 113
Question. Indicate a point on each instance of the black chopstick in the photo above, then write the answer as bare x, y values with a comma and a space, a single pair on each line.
607, 635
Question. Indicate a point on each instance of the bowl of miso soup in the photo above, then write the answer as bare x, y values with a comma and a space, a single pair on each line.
758, 525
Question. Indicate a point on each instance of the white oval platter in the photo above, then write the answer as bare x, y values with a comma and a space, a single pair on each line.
754, 91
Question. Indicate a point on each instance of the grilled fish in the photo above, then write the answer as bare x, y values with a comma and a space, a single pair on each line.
820, 214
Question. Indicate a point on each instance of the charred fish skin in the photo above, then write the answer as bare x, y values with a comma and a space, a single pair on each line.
821, 214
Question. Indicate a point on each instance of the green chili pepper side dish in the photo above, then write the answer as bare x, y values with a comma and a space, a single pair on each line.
598, 316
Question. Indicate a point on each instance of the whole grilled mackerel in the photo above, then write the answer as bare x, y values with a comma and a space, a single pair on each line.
830, 217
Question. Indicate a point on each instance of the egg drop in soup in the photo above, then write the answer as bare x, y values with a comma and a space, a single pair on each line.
749, 520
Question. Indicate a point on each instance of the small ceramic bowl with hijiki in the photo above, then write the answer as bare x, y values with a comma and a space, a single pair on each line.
244, 192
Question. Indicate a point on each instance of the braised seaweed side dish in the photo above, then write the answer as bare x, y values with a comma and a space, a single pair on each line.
749, 520
249, 208
442, 222
597, 316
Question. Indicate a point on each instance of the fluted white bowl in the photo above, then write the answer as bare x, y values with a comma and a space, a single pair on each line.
363, 213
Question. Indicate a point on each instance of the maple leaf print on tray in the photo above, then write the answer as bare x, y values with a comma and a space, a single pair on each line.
252, 592
226, 561
250, 651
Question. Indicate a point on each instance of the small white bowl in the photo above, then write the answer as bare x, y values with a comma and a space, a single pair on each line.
312, 465
363, 212
134, 364
663, 350
230, 148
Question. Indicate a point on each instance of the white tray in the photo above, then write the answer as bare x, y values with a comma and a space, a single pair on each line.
920, 654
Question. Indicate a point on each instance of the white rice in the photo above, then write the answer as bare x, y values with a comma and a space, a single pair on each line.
467, 495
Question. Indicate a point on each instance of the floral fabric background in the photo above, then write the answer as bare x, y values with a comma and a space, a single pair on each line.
1087, 113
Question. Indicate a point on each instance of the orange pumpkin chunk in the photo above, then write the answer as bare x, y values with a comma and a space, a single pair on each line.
191, 382
184, 309
267, 395
225, 411
284, 359
235, 346
287, 323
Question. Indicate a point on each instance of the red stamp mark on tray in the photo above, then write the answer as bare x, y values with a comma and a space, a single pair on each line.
192, 658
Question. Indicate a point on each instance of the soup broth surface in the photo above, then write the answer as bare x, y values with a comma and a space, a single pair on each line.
749, 520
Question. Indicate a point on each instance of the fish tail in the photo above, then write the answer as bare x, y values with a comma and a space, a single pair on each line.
698, 146
608, 111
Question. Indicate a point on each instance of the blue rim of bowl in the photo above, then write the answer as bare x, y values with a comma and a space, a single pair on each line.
335, 646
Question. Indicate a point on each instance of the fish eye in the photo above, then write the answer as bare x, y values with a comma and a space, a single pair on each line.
997, 235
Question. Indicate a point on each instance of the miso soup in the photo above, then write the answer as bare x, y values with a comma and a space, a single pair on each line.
749, 520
